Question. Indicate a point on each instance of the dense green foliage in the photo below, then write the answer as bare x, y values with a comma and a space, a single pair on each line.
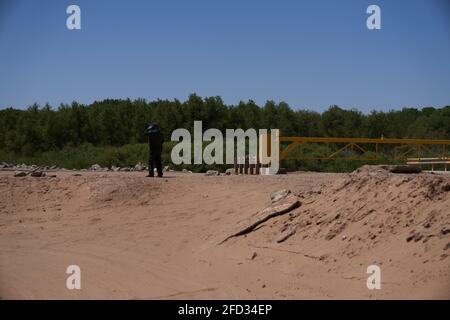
110, 132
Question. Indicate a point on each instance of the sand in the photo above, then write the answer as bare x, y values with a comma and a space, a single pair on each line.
147, 238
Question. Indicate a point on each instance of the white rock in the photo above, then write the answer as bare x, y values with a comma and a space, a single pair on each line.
95, 167
229, 172
20, 174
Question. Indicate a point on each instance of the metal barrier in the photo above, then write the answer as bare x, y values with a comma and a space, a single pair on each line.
429, 161
355, 148
426, 151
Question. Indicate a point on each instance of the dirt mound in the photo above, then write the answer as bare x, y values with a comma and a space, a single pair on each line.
370, 207
372, 203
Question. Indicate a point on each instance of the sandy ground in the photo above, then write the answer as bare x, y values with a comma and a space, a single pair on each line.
148, 238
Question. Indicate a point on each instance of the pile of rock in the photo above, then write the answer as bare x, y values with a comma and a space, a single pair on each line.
212, 173
6, 165
24, 170
37, 173
34, 173
18, 174
97, 167
138, 167
115, 169
25, 167
229, 172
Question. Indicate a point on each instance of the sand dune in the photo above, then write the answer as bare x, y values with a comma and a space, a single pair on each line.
141, 238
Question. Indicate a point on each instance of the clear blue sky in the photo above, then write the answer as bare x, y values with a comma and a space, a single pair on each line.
310, 54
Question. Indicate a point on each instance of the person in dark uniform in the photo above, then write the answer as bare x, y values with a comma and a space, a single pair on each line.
155, 143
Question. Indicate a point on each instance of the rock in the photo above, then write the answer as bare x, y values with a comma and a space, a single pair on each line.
278, 195
53, 167
290, 231
229, 172
186, 171
139, 167
37, 173
166, 168
212, 173
405, 169
416, 236
95, 167
115, 169
446, 187
125, 169
20, 174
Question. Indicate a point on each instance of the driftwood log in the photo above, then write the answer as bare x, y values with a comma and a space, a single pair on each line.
280, 207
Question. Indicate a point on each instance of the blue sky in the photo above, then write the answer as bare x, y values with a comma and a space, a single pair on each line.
311, 54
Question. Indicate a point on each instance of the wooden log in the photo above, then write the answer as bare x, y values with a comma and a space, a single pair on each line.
289, 203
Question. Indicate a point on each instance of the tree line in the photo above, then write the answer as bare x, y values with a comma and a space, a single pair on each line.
116, 123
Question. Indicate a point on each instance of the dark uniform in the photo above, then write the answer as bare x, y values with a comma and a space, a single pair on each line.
155, 143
